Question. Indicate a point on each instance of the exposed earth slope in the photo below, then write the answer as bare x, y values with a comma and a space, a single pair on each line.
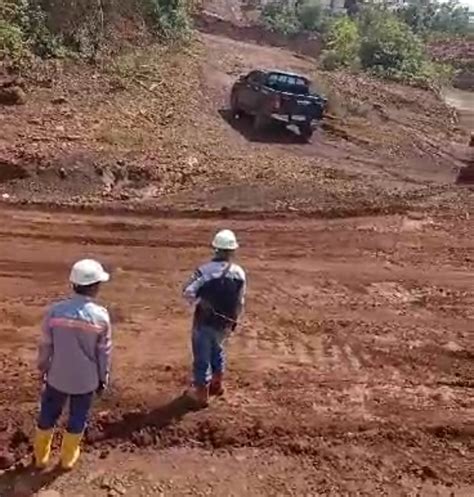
153, 130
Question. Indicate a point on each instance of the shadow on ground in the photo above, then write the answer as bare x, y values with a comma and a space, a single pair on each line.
129, 425
274, 133
27, 481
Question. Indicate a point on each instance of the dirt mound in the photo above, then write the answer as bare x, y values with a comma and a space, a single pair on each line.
466, 155
12, 91
27, 175
12, 95
466, 175
11, 170
453, 50
460, 54
303, 43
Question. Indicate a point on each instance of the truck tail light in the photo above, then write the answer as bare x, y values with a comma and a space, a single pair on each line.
276, 103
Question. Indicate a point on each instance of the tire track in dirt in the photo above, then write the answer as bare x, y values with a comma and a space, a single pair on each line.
271, 345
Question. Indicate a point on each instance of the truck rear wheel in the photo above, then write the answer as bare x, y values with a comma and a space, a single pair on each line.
260, 122
234, 107
306, 132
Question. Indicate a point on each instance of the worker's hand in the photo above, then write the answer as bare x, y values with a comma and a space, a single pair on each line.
205, 305
42, 379
101, 388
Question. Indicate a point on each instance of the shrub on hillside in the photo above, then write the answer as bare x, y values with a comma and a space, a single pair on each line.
27, 20
290, 17
433, 16
343, 43
382, 45
46, 27
280, 16
311, 15
169, 18
390, 48
12, 44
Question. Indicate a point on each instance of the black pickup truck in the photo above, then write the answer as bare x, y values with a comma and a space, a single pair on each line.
278, 95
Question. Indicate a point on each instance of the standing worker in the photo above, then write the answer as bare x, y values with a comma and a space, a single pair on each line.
217, 289
74, 360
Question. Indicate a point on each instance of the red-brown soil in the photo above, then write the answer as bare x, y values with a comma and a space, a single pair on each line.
151, 130
352, 370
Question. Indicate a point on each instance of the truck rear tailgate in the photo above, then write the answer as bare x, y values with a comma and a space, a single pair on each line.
301, 107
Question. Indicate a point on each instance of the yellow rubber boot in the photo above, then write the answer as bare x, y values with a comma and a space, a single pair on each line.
70, 449
42, 447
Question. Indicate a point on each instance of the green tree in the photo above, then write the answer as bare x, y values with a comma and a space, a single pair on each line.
310, 15
170, 18
290, 17
425, 16
280, 16
343, 44
390, 48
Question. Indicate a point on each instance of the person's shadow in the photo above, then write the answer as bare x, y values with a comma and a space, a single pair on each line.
27, 481
158, 419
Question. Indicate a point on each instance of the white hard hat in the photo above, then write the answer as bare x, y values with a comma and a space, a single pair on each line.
225, 240
88, 272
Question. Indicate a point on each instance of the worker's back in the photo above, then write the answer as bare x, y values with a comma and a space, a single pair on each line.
222, 289
77, 330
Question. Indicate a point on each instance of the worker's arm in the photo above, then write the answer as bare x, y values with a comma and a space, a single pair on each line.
243, 292
104, 352
241, 301
192, 287
45, 348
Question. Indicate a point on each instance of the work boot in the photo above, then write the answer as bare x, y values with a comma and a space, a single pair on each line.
199, 395
70, 449
42, 447
216, 388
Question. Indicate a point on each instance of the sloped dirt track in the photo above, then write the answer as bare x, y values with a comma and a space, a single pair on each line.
352, 371
151, 130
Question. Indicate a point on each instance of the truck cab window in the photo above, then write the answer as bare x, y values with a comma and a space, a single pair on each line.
255, 77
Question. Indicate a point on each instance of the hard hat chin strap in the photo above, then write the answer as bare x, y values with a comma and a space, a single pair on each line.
86, 291
222, 255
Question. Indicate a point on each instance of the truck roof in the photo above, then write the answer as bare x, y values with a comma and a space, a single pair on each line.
287, 73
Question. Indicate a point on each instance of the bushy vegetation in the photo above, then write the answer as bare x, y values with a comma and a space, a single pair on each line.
23, 28
380, 43
51, 28
11, 41
280, 16
291, 17
373, 36
343, 44
431, 17
424, 17
390, 48
169, 18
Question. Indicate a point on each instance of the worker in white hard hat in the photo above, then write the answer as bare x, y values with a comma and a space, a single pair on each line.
74, 361
217, 289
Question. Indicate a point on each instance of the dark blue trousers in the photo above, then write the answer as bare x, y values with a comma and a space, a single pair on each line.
208, 353
52, 405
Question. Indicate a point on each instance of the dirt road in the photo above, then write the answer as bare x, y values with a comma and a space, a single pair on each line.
352, 372
152, 130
